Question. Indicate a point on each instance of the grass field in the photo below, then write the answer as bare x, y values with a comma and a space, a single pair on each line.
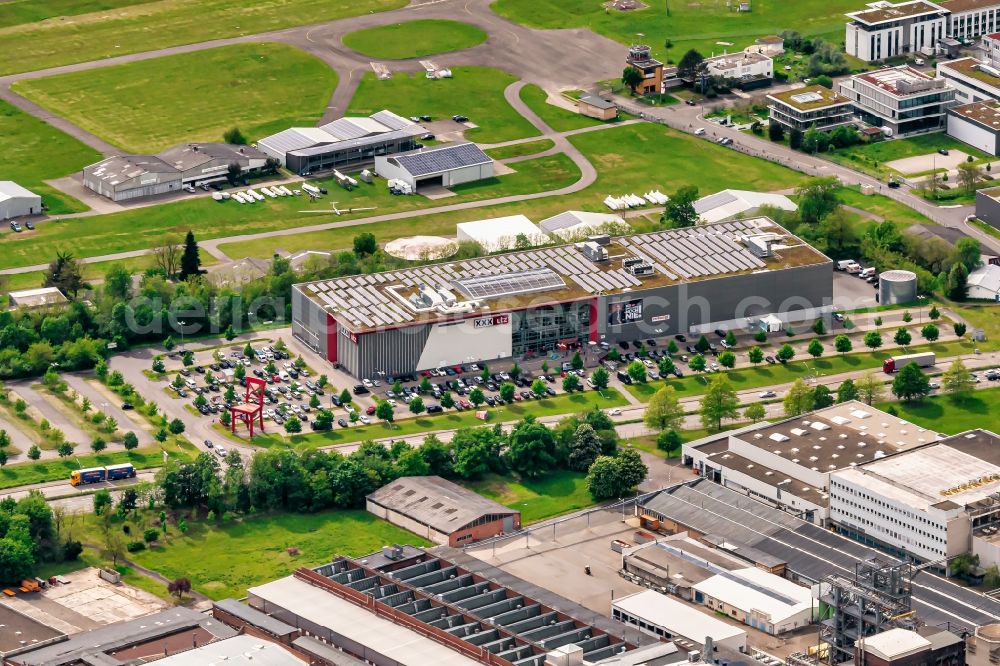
666, 159
224, 560
150, 105
156, 25
950, 415
700, 25
451, 420
871, 157
743, 379
551, 495
18, 12
520, 149
666, 154
559, 119
414, 39
476, 92
882, 206
34, 151
143, 228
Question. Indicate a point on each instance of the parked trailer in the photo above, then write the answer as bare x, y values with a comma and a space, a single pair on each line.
896, 363
121, 471
311, 189
89, 475
99, 474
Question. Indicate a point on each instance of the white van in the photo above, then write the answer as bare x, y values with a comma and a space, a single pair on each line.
844, 263
867, 273
283, 375
854, 268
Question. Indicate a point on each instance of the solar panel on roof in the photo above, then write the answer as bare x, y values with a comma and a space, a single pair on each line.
523, 282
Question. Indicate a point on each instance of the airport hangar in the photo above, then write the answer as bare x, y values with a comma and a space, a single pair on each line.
517, 304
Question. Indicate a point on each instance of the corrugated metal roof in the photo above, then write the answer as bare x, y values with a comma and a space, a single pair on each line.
445, 158
436, 502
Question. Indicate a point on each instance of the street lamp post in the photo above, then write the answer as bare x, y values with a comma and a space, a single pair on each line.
182, 324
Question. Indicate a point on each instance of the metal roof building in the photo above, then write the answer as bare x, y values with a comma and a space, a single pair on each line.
773, 604
441, 511
156, 635
343, 143
665, 617
444, 166
235, 651
501, 306
17, 201
419, 608
37, 298
125, 177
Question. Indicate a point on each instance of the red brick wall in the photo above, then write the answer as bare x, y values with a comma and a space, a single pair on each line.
479, 532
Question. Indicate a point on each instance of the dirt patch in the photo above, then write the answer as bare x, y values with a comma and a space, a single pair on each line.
625, 5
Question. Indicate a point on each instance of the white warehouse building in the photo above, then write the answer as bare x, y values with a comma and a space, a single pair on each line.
501, 233
17, 201
767, 602
658, 615
444, 166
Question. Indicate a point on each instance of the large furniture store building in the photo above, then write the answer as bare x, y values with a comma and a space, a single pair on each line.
531, 302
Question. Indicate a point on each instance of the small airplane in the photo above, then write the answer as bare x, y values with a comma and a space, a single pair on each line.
336, 211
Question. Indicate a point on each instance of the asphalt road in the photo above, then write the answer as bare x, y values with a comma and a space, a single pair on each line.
689, 118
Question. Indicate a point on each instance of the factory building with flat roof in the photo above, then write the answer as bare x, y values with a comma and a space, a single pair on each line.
789, 464
926, 504
531, 302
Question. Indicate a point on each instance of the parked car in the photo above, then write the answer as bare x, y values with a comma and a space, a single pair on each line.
29, 225
768, 394
459, 118
680, 338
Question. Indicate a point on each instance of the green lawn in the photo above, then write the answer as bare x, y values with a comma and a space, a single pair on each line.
882, 206
34, 151
686, 25
559, 119
642, 157
91, 271
223, 560
768, 375
414, 39
17, 12
551, 495
450, 420
520, 149
150, 105
986, 228
665, 153
143, 228
20, 474
871, 157
155, 25
952, 415
476, 92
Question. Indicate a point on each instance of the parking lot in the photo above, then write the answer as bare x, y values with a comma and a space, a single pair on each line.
851, 292
84, 602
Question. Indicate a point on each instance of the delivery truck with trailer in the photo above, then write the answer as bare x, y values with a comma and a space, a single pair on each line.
896, 363
89, 475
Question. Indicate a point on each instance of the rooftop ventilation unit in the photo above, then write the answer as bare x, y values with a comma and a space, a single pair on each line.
600, 239
641, 268
594, 251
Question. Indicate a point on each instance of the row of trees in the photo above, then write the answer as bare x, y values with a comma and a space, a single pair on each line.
29, 535
283, 479
940, 267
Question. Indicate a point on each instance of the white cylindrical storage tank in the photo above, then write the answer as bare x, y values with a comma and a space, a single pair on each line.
897, 287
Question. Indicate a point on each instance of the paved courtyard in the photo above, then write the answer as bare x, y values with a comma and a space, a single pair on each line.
921, 163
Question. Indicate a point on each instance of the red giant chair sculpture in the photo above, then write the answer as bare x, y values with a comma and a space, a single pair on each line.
252, 407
